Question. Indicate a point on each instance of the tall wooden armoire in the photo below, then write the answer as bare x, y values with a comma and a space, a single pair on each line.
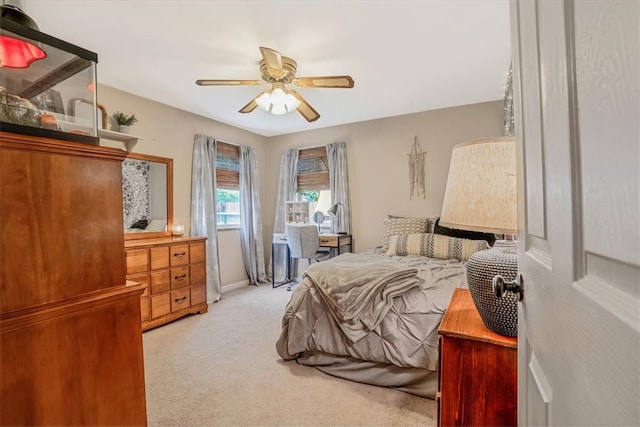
70, 328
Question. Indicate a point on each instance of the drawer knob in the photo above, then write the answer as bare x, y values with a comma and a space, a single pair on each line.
179, 300
179, 255
180, 277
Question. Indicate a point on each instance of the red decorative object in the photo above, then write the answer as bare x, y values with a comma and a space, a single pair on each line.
16, 53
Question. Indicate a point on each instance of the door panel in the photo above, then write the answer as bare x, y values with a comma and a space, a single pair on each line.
538, 393
577, 107
531, 113
606, 104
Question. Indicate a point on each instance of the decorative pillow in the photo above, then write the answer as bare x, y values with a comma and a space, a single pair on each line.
431, 221
434, 246
394, 226
141, 223
464, 234
431, 224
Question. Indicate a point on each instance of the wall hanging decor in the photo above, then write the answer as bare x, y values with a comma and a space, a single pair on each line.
416, 170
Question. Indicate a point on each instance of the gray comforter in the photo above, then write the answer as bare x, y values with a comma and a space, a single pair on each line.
404, 334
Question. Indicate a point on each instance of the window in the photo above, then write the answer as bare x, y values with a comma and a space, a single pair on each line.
312, 172
228, 184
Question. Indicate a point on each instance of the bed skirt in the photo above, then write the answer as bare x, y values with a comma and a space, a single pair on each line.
417, 381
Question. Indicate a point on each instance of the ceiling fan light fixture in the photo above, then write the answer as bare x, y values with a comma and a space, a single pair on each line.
264, 100
278, 71
292, 102
277, 101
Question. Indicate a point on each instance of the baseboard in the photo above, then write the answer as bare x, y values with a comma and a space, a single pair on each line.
237, 285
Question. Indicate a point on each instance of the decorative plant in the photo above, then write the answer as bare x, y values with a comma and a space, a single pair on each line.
309, 196
123, 119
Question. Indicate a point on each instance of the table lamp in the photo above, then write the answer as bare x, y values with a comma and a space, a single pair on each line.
481, 195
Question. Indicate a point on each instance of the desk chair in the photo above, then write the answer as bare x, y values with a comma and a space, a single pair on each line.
303, 241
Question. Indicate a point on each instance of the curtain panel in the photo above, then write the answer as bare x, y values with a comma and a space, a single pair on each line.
203, 208
339, 184
251, 217
286, 191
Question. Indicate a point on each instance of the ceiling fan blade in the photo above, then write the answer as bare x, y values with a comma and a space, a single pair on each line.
229, 82
307, 111
345, 82
273, 60
251, 105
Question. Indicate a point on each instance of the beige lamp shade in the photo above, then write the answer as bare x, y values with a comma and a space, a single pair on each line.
481, 192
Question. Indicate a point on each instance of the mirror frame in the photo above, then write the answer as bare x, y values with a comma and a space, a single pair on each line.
169, 164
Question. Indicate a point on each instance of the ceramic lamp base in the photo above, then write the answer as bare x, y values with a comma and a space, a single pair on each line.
499, 315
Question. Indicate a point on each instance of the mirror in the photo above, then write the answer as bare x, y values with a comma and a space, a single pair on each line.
147, 196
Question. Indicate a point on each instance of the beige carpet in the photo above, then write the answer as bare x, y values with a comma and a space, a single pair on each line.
222, 369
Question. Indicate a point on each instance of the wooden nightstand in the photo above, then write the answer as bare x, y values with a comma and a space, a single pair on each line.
478, 369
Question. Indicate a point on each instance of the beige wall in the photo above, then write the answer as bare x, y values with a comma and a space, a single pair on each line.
378, 163
377, 157
169, 132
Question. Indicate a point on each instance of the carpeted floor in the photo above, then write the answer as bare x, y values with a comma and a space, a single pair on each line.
222, 369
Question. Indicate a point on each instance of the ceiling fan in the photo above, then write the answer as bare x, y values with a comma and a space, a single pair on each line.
278, 70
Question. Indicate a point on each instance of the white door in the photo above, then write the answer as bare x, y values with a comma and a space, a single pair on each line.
577, 109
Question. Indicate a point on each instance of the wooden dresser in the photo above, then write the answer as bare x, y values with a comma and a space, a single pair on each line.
173, 272
478, 369
70, 330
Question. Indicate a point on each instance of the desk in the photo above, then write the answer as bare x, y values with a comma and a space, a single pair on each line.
336, 243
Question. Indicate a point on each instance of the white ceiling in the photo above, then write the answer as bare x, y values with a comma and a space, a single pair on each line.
405, 56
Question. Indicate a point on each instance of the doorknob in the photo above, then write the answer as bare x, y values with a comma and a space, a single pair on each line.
500, 286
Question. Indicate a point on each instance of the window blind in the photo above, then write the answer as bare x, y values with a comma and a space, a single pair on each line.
313, 169
227, 166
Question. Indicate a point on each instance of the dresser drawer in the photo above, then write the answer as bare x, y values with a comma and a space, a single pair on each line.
180, 299
179, 277
198, 294
160, 281
179, 255
144, 309
160, 304
197, 274
137, 260
159, 257
142, 279
196, 252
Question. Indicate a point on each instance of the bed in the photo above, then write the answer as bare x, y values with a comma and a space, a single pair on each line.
373, 317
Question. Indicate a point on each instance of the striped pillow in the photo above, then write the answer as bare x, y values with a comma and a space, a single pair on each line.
394, 226
434, 246
431, 221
